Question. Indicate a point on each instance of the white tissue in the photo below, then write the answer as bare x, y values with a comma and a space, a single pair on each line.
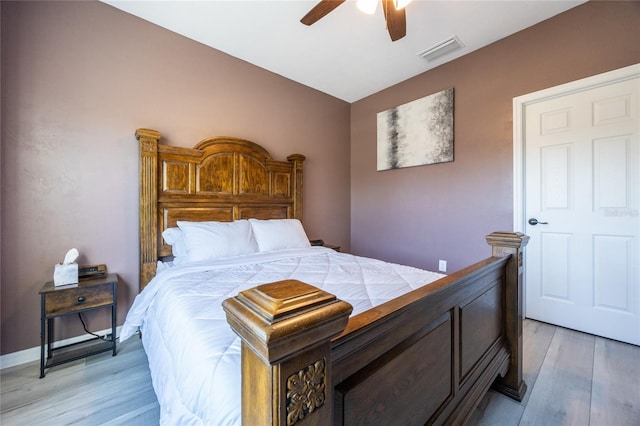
70, 257
66, 272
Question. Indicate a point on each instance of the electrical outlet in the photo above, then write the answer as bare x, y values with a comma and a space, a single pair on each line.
442, 265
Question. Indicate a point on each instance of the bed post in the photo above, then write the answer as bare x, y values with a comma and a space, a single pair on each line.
512, 244
286, 329
297, 160
148, 140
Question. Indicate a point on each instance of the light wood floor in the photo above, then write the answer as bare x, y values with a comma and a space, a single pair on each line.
573, 378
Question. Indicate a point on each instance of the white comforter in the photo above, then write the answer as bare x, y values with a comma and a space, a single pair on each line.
194, 356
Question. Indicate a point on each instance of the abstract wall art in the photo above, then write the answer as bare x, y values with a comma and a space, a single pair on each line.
417, 133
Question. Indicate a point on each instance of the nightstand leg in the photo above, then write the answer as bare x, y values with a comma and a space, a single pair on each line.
113, 327
49, 337
42, 339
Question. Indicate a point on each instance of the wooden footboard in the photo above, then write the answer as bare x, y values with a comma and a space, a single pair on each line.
426, 357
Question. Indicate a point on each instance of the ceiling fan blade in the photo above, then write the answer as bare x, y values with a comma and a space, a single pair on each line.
320, 10
396, 20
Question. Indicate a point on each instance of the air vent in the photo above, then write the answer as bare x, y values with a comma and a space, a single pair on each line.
442, 48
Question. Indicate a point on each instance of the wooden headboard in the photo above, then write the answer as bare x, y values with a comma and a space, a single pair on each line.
219, 179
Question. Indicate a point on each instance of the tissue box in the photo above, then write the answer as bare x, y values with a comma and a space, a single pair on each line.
65, 274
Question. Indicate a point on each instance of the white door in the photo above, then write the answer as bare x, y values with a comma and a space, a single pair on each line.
582, 186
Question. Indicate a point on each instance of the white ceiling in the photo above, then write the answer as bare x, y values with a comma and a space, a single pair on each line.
346, 54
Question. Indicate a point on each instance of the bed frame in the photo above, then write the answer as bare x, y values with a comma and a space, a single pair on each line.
427, 357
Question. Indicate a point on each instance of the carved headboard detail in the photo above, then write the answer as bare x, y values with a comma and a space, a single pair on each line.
219, 179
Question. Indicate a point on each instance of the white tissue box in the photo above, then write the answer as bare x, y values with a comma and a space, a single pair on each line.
65, 274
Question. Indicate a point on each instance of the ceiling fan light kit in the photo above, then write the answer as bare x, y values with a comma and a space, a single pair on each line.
369, 6
394, 13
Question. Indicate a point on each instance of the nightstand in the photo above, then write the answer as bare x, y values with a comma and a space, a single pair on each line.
322, 244
87, 295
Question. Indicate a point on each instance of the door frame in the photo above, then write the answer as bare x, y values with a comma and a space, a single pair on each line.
519, 105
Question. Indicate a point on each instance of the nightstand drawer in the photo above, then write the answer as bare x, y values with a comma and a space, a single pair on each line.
77, 299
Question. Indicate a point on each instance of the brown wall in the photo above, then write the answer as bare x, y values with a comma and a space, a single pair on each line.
77, 79
422, 214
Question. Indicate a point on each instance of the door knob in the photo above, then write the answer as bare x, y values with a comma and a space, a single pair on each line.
533, 221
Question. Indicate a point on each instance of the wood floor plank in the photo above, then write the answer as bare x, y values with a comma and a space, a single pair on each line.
536, 337
498, 409
24, 385
142, 416
615, 398
96, 390
562, 392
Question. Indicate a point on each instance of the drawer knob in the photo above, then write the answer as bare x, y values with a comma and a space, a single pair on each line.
81, 299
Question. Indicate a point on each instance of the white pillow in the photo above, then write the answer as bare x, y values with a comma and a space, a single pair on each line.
213, 240
278, 234
175, 238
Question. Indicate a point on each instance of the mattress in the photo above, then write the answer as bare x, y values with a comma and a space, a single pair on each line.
194, 356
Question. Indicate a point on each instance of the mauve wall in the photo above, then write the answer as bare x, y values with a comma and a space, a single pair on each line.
77, 79
422, 214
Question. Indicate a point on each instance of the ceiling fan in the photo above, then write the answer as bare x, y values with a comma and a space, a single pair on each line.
393, 10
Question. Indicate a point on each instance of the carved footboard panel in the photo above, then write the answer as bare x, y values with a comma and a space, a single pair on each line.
391, 389
426, 357
418, 364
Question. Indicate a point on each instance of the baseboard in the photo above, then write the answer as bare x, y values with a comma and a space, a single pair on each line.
33, 354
